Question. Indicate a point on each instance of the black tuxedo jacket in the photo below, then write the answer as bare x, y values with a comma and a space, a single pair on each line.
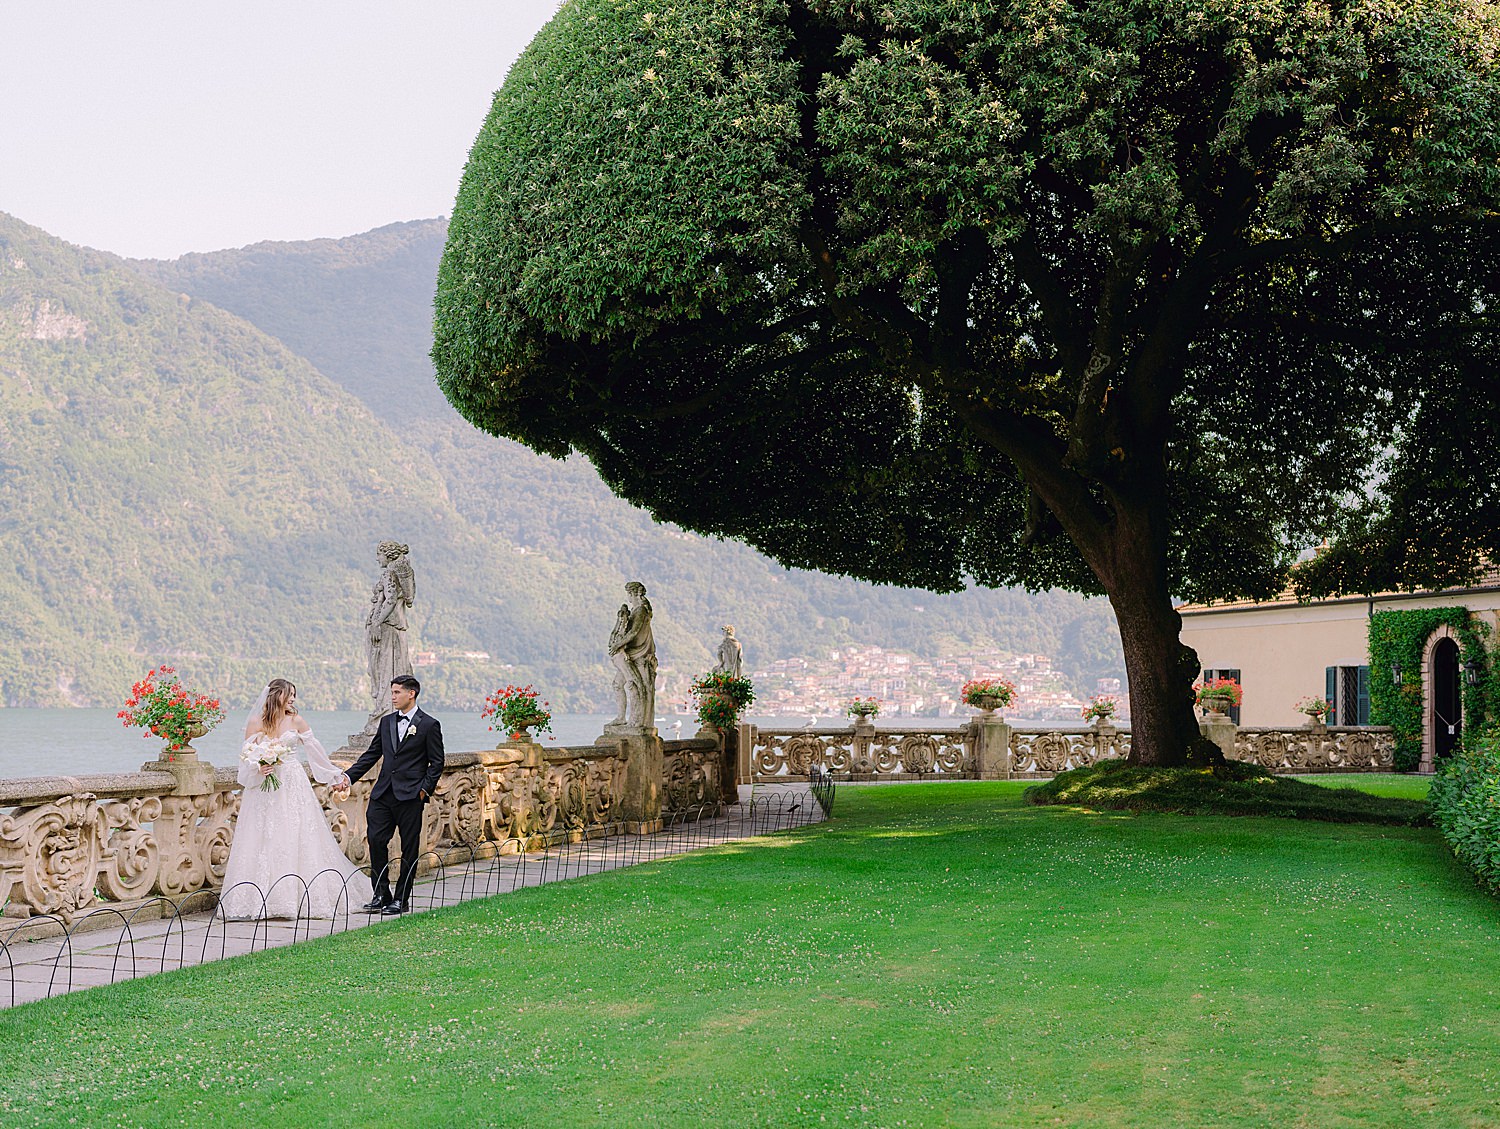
409, 767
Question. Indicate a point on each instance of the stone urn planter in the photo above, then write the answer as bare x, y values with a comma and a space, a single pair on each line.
987, 704
185, 751
522, 734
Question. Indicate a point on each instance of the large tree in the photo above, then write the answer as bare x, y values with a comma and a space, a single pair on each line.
1122, 296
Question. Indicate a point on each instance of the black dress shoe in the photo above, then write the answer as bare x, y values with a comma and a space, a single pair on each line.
376, 905
393, 908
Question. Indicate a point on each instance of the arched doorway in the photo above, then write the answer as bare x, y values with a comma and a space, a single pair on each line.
1445, 701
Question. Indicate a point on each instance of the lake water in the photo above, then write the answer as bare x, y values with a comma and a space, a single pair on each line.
72, 742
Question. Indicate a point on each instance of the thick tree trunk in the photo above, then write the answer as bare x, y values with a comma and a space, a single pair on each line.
1163, 727
1160, 668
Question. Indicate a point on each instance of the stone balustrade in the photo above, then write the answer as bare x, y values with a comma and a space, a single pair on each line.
859, 751
70, 843
1318, 748
988, 748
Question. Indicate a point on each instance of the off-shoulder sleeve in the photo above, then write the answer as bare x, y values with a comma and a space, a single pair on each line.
323, 769
249, 770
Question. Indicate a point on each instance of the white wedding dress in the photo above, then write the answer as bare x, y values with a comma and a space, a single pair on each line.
284, 860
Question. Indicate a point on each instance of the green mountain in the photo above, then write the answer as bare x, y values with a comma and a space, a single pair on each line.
197, 458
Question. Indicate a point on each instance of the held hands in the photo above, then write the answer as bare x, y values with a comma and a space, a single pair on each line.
340, 787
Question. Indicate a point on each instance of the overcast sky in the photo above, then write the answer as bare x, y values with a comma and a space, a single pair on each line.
156, 127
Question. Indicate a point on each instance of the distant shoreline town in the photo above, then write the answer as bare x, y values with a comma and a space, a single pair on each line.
910, 686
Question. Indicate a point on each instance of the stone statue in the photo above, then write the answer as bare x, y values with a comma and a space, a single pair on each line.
632, 652
731, 654
385, 626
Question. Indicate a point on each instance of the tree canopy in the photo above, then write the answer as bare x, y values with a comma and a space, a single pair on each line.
1119, 296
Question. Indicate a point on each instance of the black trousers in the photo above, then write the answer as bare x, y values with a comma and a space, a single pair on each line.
384, 817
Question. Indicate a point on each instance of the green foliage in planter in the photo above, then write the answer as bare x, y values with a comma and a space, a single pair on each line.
1465, 799
722, 697
1400, 637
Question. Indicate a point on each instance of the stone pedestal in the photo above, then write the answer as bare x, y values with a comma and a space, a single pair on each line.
1220, 730
744, 740
991, 747
862, 754
640, 806
729, 789
1106, 739
729, 761
526, 752
194, 777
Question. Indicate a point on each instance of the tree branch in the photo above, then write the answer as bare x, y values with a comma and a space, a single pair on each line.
1269, 251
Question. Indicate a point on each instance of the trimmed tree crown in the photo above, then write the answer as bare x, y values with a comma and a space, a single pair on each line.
930, 292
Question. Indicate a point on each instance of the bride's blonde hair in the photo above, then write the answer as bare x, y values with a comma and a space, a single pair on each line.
279, 693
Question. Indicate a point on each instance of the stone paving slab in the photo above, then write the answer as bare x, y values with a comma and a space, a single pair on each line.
148, 945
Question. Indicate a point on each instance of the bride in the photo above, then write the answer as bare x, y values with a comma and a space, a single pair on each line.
284, 861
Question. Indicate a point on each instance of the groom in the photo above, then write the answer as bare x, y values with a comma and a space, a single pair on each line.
411, 743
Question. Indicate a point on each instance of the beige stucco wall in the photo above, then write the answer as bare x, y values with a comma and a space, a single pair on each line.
1282, 649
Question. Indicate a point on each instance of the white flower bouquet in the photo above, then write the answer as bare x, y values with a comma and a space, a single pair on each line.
268, 754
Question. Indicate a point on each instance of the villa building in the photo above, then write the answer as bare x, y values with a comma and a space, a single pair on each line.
1284, 650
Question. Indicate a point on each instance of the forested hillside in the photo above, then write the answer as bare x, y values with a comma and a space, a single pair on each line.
199, 456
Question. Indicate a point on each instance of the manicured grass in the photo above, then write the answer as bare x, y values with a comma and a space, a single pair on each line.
1235, 788
939, 954
1401, 785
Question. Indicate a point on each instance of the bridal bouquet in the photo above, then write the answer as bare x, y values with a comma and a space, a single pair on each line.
269, 754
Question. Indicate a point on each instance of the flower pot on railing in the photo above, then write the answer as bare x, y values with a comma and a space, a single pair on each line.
862, 712
522, 735
1217, 697
183, 749
987, 695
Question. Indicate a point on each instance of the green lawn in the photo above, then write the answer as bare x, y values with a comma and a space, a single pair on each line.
937, 955
1404, 786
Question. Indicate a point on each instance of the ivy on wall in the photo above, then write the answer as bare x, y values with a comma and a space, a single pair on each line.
1401, 637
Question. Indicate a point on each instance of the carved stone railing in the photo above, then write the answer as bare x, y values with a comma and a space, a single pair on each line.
1318, 748
692, 775
861, 751
987, 748
1044, 752
69, 843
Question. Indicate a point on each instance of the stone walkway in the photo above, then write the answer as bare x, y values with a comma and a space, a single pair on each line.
89, 957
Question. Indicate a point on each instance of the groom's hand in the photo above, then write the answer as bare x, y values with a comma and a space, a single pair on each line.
422, 794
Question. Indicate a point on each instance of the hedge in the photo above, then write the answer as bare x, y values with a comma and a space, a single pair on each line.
1465, 799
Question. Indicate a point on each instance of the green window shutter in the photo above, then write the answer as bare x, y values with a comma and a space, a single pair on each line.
1363, 675
1331, 691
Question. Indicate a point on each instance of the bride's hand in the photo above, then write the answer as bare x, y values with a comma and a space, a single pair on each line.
267, 769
